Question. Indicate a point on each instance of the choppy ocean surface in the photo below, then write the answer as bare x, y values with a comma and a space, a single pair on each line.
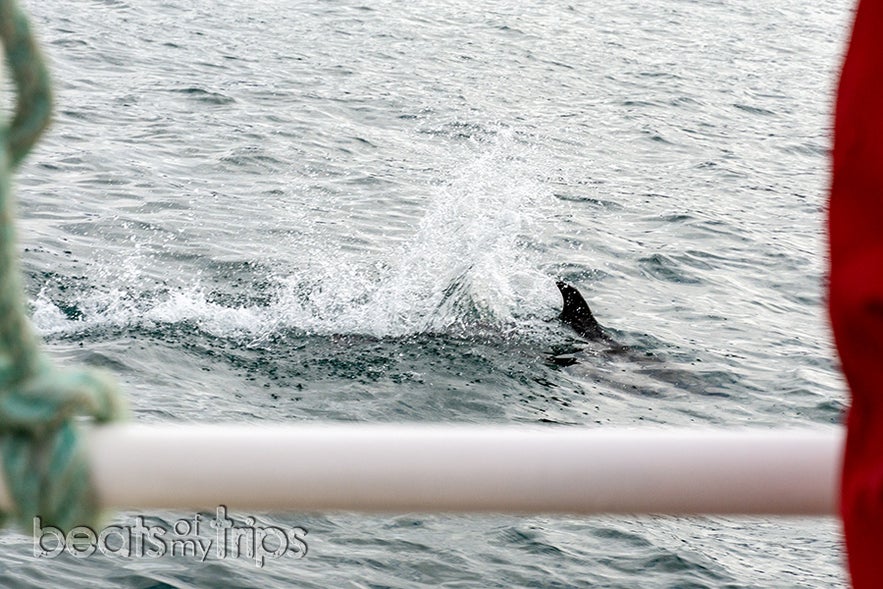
332, 211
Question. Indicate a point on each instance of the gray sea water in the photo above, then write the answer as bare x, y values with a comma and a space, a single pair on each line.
275, 211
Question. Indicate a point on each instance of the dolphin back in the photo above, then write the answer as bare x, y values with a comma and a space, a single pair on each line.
576, 313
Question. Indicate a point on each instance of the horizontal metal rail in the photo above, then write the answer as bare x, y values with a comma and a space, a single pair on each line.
467, 468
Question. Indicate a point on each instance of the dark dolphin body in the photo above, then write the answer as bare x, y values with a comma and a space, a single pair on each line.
576, 314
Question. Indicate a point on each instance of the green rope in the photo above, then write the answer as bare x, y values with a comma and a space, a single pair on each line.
43, 457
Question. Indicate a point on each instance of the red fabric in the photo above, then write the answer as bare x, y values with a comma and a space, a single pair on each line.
856, 288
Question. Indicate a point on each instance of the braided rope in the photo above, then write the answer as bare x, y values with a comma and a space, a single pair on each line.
44, 462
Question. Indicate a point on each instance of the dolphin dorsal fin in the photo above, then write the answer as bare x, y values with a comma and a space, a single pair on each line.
576, 313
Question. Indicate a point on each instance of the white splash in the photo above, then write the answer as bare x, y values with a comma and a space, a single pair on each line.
469, 262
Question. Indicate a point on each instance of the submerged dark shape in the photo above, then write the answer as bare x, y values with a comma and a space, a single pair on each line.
576, 314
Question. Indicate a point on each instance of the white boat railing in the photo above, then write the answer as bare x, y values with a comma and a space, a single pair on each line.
467, 468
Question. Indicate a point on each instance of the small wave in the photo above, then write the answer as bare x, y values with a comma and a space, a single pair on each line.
667, 269
755, 110
205, 96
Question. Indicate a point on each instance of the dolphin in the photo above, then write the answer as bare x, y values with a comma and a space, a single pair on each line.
578, 316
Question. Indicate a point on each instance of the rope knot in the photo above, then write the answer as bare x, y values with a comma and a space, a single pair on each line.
44, 459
